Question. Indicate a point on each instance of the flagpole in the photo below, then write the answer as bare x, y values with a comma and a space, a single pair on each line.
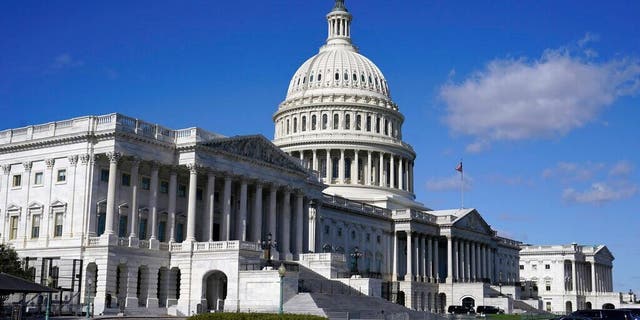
461, 187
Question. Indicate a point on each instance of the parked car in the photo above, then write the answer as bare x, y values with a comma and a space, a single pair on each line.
460, 310
606, 314
489, 310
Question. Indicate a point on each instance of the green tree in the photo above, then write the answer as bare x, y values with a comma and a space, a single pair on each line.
10, 263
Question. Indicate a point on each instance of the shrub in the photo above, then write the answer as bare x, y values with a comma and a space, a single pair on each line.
253, 316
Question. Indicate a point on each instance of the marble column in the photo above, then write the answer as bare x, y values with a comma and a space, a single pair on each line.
423, 259
400, 174
256, 215
355, 173
574, 275
241, 224
285, 250
341, 167
135, 166
392, 171
381, 169
225, 233
299, 224
429, 259
416, 256
191, 205
173, 186
153, 203
462, 257
473, 261
314, 158
467, 261
211, 203
450, 260
436, 258
409, 275
394, 274
328, 166
273, 222
312, 225
456, 260
111, 192
368, 172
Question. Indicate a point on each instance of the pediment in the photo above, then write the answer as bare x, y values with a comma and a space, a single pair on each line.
35, 206
14, 208
604, 251
256, 147
473, 221
58, 203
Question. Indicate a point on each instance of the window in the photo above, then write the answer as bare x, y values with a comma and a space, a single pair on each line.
369, 123
142, 232
548, 306
62, 175
35, 226
295, 125
179, 232
311, 78
335, 166
547, 285
362, 78
358, 122
54, 273
339, 232
164, 187
104, 175
354, 77
57, 232
337, 76
347, 168
145, 183
325, 121
37, 179
182, 191
547, 266
336, 121
368, 237
378, 239
347, 122
17, 180
319, 76
199, 194
287, 126
377, 125
126, 179
13, 231
522, 267
122, 226
353, 234
303, 124
162, 230
327, 229
313, 122
346, 76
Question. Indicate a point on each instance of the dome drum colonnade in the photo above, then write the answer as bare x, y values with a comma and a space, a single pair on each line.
339, 119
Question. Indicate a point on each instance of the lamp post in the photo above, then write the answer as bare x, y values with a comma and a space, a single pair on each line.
267, 245
48, 309
88, 297
281, 272
356, 255
500, 285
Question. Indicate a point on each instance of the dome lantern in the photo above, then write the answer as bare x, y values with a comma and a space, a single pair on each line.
339, 22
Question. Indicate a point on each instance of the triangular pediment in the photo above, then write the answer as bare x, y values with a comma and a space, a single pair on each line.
604, 251
58, 203
35, 205
13, 208
473, 221
256, 147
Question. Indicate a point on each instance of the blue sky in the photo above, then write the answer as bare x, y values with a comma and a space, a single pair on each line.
540, 98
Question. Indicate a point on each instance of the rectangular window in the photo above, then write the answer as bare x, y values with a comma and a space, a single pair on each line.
182, 191
548, 287
35, 226
38, 179
164, 187
13, 231
547, 266
122, 227
522, 267
17, 180
62, 175
548, 306
145, 183
199, 194
339, 232
142, 232
126, 179
104, 175
162, 227
58, 230
179, 232
327, 229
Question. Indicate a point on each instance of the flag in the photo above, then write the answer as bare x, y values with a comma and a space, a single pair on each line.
459, 167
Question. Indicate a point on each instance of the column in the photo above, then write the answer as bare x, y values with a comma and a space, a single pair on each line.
111, 192
400, 174
152, 287
368, 172
191, 206
314, 165
153, 202
392, 171
328, 166
467, 261
381, 170
355, 173
423, 258
312, 225
173, 186
429, 259
394, 274
241, 224
490, 259
299, 226
273, 229
416, 256
285, 250
483, 254
451, 260
341, 166
473, 261
132, 284
436, 258
456, 260
135, 165
573, 276
461, 256
409, 275
256, 215
225, 233
211, 203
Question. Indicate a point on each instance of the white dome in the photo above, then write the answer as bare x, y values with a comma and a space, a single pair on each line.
336, 68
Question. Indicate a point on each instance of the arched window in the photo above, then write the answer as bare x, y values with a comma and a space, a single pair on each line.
325, 121
304, 79
377, 125
303, 124
386, 130
346, 76
370, 82
335, 166
337, 76
347, 121
287, 126
313, 122
347, 168
377, 81
368, 123
393, 133
336, 121
295, 125
358, 122
354, 77
362, 78
311, 78
298, 81
319, 77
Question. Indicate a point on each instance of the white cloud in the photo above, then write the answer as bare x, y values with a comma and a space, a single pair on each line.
571, 171
517, 99
65, 60
449, 183
622, 169
600, 192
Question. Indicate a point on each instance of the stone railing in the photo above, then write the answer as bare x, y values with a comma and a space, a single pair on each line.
340, 136
233, 245
358, 206
163, 246
325, 256
509, 242
414, 215
93, 241
95, 124
144, 244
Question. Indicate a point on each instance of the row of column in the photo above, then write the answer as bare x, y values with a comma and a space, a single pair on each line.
243, 223
469, 261
400, 174
337, 120
601, 276
422, 258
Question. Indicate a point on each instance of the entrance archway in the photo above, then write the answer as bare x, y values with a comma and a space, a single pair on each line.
568, 308
442, 302
215, 290
400, 299
608, 306
588, 305
469, 302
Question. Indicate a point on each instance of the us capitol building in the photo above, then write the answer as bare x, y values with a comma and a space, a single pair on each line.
140, 218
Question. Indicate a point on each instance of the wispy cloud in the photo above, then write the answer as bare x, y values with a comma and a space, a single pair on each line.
449, 183
572, 171
622, 169
601, 192
65, 60
518, 99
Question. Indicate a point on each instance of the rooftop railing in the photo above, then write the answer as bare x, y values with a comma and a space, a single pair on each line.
354, 205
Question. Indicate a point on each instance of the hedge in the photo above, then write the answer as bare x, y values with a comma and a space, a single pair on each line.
253, 316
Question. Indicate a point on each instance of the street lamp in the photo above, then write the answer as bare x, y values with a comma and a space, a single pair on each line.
356, 255
267, 245
500, 285
48, 310
281, 272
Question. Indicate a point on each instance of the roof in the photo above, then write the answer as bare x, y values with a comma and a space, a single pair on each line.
12, 284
